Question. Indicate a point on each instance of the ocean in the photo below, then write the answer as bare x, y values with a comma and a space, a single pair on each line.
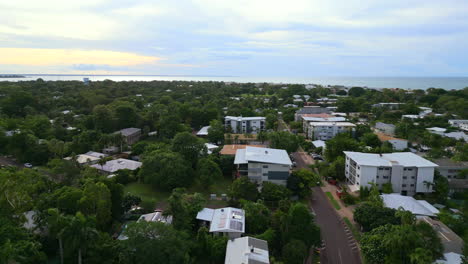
448, 83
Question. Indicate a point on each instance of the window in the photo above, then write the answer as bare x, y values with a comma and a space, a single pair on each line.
380, 168
404, 177
377, 176
412, 177
359, 167
412, 185
265, 166
403, 185
387, 168
265, 174
385, 177
410, 169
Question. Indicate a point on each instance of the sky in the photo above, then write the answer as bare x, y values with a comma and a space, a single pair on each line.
250, 38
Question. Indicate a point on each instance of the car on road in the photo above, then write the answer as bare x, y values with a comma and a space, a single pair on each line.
28, 165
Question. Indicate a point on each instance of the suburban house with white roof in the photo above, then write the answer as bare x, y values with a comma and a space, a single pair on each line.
130, 135
407, 172
407, 203
457, 122
156, 216
245, 125
228, 221
112, 166
328, 130
247, 250
263, 164
203, 132
88, 158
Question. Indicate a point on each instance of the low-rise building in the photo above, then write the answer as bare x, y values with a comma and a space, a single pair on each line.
113, 166
328, 130
203, 132
458, 185
457, 122
245, 125
232, 149
407, 172
130, 135
247, 250
388, 129
407, 203
156, 216
263, 164
228, 221
449, 168
390, 106
397, 143
310, 110
88, 158
437, 130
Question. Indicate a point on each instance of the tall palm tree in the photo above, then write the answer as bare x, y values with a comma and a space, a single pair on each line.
78, 232
57, 223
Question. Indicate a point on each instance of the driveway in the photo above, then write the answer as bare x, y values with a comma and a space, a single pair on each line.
339, 244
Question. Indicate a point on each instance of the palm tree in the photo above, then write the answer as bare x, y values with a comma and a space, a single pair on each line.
79, 231
57, 223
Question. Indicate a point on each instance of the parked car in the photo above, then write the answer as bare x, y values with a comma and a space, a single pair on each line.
294, 164
28, 165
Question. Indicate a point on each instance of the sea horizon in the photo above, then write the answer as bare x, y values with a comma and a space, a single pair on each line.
402, 82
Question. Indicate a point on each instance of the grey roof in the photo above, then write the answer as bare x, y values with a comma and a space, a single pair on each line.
445, 162
263, 155
96, 154
247, 250
406, 159
313, 110
319, 143
451, 241
348, 124
383, 125
118, 164
128, 131
324, 119
457, 135
417, 207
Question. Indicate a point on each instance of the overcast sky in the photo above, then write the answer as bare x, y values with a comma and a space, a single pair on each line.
251, 38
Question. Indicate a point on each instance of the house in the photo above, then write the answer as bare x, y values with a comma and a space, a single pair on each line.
458, 185
307, 118
319, 144
88, 158
245, 125
412, 117
112, 166
388, 129
457, 136
310, 110
203, 132
156, 216
263, 164
397, 143
450, 258
247, 250
210, 147
449, 168
458, 122
464, 127
390, 106
407, 172
130, 135
232, 149
417, 207
328, 130
437, 130
227, 221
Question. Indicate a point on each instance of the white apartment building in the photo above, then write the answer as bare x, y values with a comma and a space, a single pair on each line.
407, 172
245, 125
328, 130
263, 164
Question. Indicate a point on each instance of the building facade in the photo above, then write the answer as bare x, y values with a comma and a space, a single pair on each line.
388, 129
263, 164
245, 125
449, 168
130, 135
328, 130
408, 173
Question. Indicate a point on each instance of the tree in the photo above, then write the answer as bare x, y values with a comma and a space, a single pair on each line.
387, 188
421, 256
371, 139
166, 170
78, 232
294, 252
243, 188
441, 188
96, 201
284, 140
338, 144
257, 217
208, 172
184, 207
189, 146
370, 216
209, 248
216, 132
130, 200
356, 91
103, 118
300, 182
150, 241
301, 226
272, 192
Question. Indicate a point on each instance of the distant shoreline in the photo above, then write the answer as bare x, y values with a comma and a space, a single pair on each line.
6, 76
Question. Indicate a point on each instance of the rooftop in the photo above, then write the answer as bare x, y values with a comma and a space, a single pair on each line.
128, 131
118, 164
156, 216
228, 219
263, 155
313, 110
381, 124
408, 203
247, 250
324, 119
406, 159
383, 137
242, 118
203, 131
451, 163
332, 124
451, 241
436, 129
232, 149
318, 143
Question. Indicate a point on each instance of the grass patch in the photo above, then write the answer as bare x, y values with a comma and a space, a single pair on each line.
356, 233
219, 187
333, 201
150, 198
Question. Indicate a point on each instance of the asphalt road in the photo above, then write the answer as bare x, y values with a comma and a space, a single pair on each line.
339, 245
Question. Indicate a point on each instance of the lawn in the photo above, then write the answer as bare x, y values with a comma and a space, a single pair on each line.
333, 201
153, 198
356, 233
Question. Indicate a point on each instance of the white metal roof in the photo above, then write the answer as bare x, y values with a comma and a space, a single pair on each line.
203, 131
118, 164
436, 129
228, 219
263, 155
332, 124
406, 159
243, 118
450, 258
318, 143
156, 216
408, 203
324, 119
247, 250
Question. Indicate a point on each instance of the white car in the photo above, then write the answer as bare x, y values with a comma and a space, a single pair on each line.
28, 165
